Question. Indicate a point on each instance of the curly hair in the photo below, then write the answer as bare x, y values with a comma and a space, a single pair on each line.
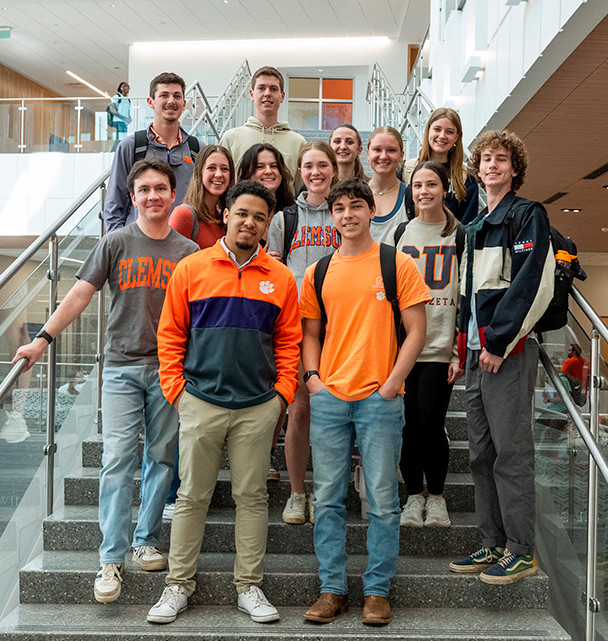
509, 141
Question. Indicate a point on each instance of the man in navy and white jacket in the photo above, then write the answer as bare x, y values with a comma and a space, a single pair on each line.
507, 286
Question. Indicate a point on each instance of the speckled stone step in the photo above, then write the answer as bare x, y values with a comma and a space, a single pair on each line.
67, 577
92, 450
83, 489
77, 528
118, 622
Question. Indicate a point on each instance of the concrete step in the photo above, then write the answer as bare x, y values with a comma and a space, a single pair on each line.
83, 489
290, 579
77, 528
117, 622
92, 450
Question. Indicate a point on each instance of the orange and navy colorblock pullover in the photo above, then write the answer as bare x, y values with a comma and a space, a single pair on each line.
230, 336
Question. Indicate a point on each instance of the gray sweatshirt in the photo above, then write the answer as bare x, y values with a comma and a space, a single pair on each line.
315, 236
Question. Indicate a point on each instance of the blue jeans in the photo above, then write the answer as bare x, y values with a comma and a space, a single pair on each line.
129, 393
377, 424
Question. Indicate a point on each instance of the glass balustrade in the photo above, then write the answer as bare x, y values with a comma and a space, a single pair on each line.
23, 414
562, 479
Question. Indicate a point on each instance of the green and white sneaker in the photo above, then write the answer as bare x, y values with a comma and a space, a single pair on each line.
478, 561
511, 568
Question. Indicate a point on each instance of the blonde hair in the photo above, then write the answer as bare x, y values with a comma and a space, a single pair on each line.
458, 172
386, 130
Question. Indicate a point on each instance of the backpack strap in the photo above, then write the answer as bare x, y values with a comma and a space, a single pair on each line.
461, 237
141, 145
388, 269
319, 277
399, 231
290, 223
194, 148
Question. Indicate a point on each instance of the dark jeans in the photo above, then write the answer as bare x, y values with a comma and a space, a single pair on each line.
426, 450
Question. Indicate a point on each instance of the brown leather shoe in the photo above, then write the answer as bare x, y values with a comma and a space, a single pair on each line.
327, 607
376, 610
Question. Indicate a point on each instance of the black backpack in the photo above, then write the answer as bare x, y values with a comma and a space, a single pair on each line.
141, 145
110, 114
290, 224
388, 269
556, 315
460, 237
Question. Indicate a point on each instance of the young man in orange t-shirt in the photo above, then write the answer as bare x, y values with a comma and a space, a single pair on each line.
355, 381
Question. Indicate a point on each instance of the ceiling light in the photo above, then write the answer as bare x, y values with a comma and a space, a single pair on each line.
605, 229
605, 186
88, 84
572, 210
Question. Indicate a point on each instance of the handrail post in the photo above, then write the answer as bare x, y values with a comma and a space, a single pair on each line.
23, 109
51, 447
592, 604
100, 320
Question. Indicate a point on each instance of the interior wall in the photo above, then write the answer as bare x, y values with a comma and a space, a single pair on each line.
214, 64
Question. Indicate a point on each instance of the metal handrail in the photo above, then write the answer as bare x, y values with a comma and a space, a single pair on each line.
48, 233
590, 313
11, 378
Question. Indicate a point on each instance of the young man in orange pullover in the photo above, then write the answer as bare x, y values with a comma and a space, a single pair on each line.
228, 346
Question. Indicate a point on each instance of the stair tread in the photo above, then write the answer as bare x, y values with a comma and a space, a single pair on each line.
413, 566
85, 513
453, 478
118, 621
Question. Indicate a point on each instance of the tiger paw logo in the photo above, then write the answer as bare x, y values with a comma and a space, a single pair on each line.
378, 287
266, 287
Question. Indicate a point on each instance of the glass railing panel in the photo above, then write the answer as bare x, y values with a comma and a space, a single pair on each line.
23, 414
10, 126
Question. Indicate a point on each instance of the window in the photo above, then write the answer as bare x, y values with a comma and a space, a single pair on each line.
320, 103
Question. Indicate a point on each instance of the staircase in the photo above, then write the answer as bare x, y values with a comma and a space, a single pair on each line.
429, 602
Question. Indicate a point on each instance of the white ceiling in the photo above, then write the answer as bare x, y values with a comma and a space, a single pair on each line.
91, 37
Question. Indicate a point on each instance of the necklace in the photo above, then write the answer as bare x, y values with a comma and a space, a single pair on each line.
388, 191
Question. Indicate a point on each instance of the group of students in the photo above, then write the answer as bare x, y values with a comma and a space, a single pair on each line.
220, 338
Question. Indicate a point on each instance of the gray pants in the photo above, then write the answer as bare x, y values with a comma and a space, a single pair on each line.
501, 448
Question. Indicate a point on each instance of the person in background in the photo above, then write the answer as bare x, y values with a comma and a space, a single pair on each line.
431, 240
199, 217
346, 142
315, 236
442, 143
384, 153
576, 365
121, 112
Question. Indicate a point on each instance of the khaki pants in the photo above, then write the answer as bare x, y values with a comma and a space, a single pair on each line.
247, 433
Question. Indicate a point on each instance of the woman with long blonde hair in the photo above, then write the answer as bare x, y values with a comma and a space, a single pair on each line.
442, 143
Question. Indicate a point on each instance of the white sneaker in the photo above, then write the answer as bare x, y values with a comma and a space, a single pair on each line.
168, 511
257, 606
149, 558
108, 582
171, 603
436, 512
14, 428
295, 509
413, 511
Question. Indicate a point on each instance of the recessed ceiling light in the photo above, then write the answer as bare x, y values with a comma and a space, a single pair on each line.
605, 229
225, 1
605, 186
572, 210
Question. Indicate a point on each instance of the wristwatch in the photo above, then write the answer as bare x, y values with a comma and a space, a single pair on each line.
44, 334
309, 373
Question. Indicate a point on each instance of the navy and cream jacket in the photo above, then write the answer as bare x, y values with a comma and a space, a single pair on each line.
511, 273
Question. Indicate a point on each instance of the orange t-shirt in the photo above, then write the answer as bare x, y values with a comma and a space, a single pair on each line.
360, 344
